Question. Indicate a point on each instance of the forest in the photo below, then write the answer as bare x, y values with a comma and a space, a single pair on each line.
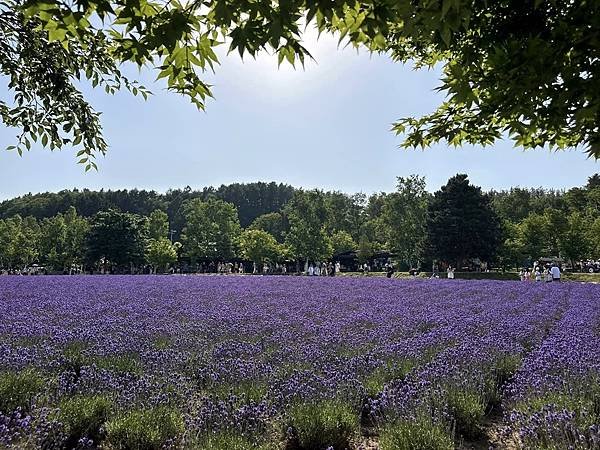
130, 231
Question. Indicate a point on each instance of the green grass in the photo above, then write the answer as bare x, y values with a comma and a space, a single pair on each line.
246, 390
503, 368
83, 416
74, 357
227, 440
162, 342
147, 429
318, 425
122, 363
468, 410
418, 435
18, 389
585, 407
392, 370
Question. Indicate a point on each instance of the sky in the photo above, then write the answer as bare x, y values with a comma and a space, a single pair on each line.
326, 126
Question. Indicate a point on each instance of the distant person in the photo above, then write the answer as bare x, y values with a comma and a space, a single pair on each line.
538, 274
522, 275
548, 275
555, 272
338, 267
311, 270
317, 270
390, 270
254, 268
450, 271
527, 275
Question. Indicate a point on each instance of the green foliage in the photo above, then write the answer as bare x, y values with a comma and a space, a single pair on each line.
158, 225
468, 410
83, 416
574, 243
259, 246
404, 218
62, 240
147, 429
244, 390
161, 253
116, 240
462, 224
418, 435
514, 68
124, 363
323, 424
342, 242
227, 440
212, 229
274, 223
392, 370
307, 238
18, 389
585, 405
19, 239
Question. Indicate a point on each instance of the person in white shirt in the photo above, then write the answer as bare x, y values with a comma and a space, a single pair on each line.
555, 273
450, 273
538, 274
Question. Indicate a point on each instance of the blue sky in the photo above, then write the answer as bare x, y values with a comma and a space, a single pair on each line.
326, 127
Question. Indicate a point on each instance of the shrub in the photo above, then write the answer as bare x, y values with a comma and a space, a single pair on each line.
392, 370
323, 424
468, 410
147, 429
18, 389
124, 363
83, 416
225, 440
74, 357
503, 368
418, 435
245, 391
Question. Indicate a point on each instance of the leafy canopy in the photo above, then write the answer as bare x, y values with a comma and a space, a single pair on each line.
526, 69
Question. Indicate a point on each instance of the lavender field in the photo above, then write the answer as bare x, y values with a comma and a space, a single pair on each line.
296, 363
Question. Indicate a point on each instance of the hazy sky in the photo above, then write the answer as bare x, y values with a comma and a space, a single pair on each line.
327, 126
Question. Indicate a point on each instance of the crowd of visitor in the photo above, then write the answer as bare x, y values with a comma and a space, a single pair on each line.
539, 273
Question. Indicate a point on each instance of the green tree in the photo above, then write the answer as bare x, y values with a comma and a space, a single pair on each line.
19, 242
62, 241
511, 252
259, 246
342, 242
307, 239
574, 243
116, 240
534, 237
404, 218
161, 253
212, 229
593, 234
461, 223
274, 223
366, 250
158, 224
523, 69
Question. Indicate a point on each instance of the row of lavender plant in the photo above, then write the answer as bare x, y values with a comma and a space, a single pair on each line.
554, 400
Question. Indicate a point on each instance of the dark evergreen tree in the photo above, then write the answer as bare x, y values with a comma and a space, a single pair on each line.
461, 223
116, 240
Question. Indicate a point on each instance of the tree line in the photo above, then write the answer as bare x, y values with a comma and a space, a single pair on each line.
133, 231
